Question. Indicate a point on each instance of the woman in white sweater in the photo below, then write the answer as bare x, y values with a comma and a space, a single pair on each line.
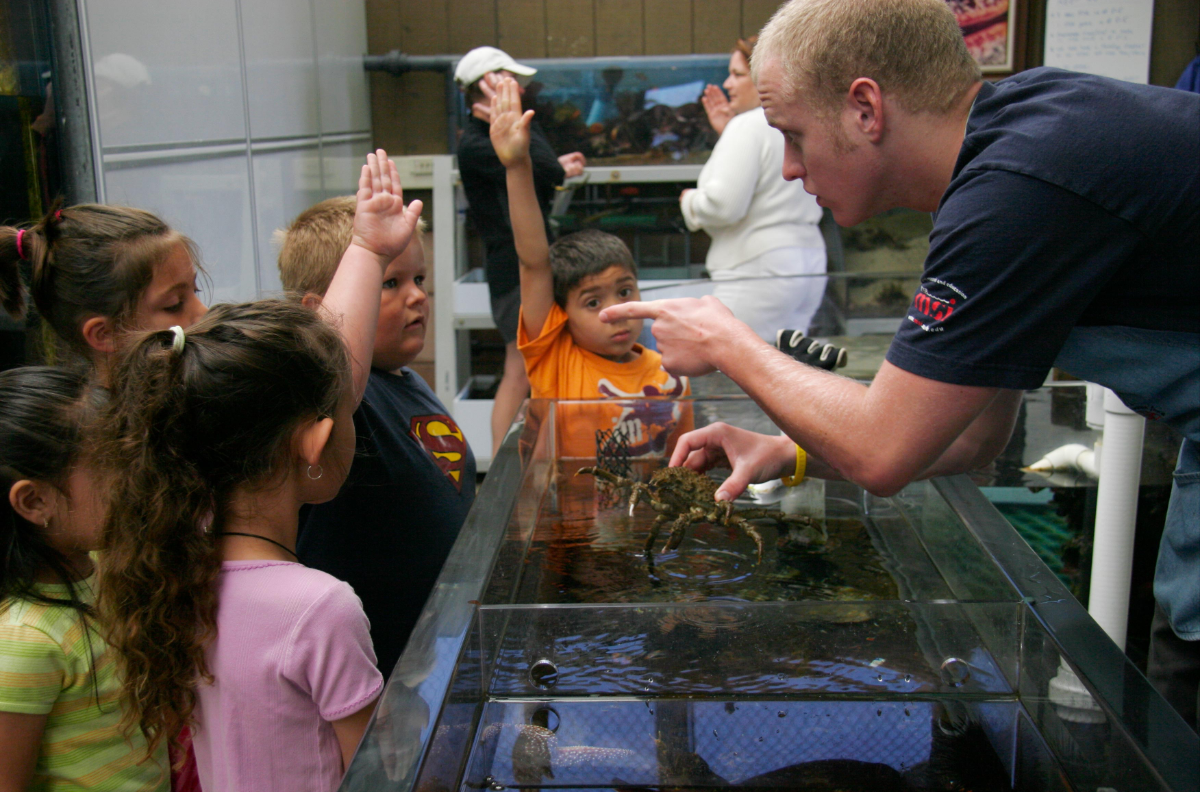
765, 238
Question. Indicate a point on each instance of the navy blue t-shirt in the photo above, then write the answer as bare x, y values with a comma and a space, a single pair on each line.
390, 528
1069, 234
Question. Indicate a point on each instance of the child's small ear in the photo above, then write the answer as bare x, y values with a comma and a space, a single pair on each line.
311, 439
311, 301
33, 500
97, 331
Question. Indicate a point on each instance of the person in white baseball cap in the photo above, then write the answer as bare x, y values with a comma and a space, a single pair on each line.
485, 184
484, 60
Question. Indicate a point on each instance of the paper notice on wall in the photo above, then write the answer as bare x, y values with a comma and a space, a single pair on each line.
1106, 37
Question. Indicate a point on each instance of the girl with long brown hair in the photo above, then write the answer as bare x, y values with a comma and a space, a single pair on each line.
214, 438
60, 701
97, 273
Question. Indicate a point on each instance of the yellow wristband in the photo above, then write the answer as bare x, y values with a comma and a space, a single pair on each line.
801, 464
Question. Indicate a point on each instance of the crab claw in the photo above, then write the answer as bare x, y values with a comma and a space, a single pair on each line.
599, 473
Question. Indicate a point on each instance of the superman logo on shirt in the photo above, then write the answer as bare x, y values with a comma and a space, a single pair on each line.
442, 438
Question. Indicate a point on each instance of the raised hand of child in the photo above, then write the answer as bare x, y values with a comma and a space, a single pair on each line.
510, 127
382, 223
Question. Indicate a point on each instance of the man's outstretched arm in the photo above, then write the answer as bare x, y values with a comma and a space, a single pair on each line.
900, 428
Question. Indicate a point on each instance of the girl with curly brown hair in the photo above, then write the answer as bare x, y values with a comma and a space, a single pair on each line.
213, 439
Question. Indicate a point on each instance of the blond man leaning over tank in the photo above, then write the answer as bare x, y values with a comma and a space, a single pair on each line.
1067, 220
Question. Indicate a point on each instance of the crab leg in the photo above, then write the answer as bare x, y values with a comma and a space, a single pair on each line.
680, 525
751, 531
635, 494
762, 514
601, 473
655, 528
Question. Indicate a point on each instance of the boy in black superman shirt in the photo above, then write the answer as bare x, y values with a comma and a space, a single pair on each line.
390, 528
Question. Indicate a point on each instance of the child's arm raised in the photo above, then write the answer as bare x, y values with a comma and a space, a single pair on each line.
510, 137
383, 226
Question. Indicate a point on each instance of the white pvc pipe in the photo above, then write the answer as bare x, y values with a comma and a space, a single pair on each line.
1116, 514
1069, 457
1093, 412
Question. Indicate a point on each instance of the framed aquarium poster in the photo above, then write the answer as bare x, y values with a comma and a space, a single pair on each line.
988, 28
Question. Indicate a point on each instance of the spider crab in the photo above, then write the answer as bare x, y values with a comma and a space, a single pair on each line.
683, 497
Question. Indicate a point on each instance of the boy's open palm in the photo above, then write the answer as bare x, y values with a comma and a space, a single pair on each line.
382, 223
510, 127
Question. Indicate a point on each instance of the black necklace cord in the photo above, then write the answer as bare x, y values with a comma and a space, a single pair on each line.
283, 547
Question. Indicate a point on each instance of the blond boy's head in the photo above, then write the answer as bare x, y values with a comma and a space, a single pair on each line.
310, 249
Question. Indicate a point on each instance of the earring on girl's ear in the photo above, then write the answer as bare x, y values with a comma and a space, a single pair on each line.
320, 472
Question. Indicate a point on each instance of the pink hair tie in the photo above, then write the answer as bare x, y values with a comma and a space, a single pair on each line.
20, 251
58, 214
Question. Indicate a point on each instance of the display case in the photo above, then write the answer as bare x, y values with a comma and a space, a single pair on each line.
904, 643
625, 110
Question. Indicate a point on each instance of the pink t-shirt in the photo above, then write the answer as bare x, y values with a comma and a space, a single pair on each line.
292, 654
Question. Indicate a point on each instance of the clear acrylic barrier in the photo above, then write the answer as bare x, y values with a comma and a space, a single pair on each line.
921, 646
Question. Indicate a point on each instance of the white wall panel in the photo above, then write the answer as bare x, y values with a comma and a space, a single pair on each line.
209, 200
174, 81
285, 184
281, 68
166, 71
341, 44
342, 163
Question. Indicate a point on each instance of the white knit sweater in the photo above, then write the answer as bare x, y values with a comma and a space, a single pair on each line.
742, 200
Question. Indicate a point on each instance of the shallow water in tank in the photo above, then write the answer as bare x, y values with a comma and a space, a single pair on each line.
844, 665
587, 548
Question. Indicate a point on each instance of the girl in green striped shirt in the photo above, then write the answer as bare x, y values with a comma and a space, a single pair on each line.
60, 698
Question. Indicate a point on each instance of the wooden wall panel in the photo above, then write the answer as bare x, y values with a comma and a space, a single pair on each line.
425, 27
668, 27
1174, 41
755, 14
570, 28
619, 27
472, 24
408, 112
716, 25
383, 26
522, 27
387, 110
424, 121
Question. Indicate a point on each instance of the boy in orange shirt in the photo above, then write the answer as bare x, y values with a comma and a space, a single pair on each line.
569, 353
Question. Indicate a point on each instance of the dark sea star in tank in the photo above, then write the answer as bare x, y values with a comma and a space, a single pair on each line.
683, 497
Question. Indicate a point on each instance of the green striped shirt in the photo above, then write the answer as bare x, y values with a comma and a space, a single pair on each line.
52, 664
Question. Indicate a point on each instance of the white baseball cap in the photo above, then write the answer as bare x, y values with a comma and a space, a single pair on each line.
483, 60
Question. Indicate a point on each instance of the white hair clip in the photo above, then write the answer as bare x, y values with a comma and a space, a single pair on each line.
177, 344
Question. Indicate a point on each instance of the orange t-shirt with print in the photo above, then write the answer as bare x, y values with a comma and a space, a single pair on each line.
559, 369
